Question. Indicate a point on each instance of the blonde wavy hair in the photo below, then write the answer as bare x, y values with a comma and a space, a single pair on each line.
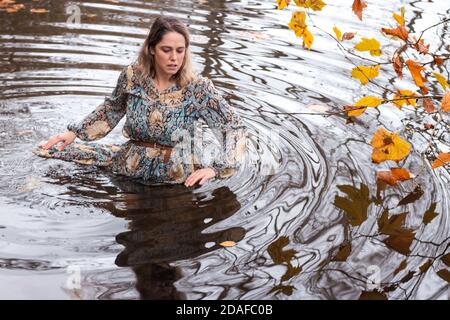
146, 61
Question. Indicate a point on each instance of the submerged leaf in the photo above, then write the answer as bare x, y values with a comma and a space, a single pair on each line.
444, 274
276, 252
356, 203
344, 252
372, 295
412, 197
430, 214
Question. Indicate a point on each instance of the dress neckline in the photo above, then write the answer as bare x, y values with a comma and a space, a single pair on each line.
159, 92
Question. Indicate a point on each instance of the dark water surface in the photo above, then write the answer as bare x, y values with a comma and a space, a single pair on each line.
59, 220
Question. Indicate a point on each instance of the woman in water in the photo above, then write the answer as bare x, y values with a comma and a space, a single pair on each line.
165, 103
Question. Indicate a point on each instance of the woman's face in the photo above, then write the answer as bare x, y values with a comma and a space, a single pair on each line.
169, 53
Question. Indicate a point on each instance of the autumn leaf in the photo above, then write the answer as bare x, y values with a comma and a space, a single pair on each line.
438, 60
291, 272
442, 81
388, 146
394, 175
402, 242
399, 32
315, 5
343, 252
228, 243
11, 7
38, 10
287, 290
445, 102
371, 45
298, 24
424, 268
372, 295
338, 33
444, 274
442, 159
276, 252
356, 203
358, 7
348, 35
402, 266
446, 259
397, 62
393, 225
363, 73
415, 195
400, 18
430, 214
360, 106
416, 69
404, 97
428, 105
420, 46
281, 4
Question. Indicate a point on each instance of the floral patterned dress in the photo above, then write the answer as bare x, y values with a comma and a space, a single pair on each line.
176, 117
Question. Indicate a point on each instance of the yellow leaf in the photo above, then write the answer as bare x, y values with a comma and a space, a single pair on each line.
360, 106
394, 175
388, 146
282, 4
228, 244
364, 73
442, 159
445, 103
338, 33
442, 81
401, 98
315, 5
298, 24
371, 45
399, 19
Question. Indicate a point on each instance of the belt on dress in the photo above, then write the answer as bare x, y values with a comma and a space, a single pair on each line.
155, 145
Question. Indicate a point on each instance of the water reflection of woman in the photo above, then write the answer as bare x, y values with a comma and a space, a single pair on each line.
164, 101
168, 224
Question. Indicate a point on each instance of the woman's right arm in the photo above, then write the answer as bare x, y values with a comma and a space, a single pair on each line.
99, 122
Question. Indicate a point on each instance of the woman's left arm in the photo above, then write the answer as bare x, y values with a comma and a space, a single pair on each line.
228, 128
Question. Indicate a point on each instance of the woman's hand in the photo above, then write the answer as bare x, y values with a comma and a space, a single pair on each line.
66, 138
201, 174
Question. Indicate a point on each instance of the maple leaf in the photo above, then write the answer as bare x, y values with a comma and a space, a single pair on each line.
291, 272
445, 102
394, 175
415, 69
442, 159
363, 73
404, 97
360, 106
416, 194
393, 225
442, 81
371, 45
298, 25
388, 146
338, 33
399, 32
420, 46
276, 252
355, 205
430, 214
315, 5
358, 7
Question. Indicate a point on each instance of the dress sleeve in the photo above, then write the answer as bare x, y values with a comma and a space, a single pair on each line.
227, 127
106, 116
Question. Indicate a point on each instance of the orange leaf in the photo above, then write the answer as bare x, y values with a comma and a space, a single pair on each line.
397, 62
428, 105
415, 69
348, 35
404, 97
445, 103
399, 32
442, 159
282, 4
358, 6
394, 175
438, 60
39, 10
388, 146
421, 47
228, 243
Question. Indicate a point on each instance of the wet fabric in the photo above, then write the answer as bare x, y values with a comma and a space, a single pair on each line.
175, 117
